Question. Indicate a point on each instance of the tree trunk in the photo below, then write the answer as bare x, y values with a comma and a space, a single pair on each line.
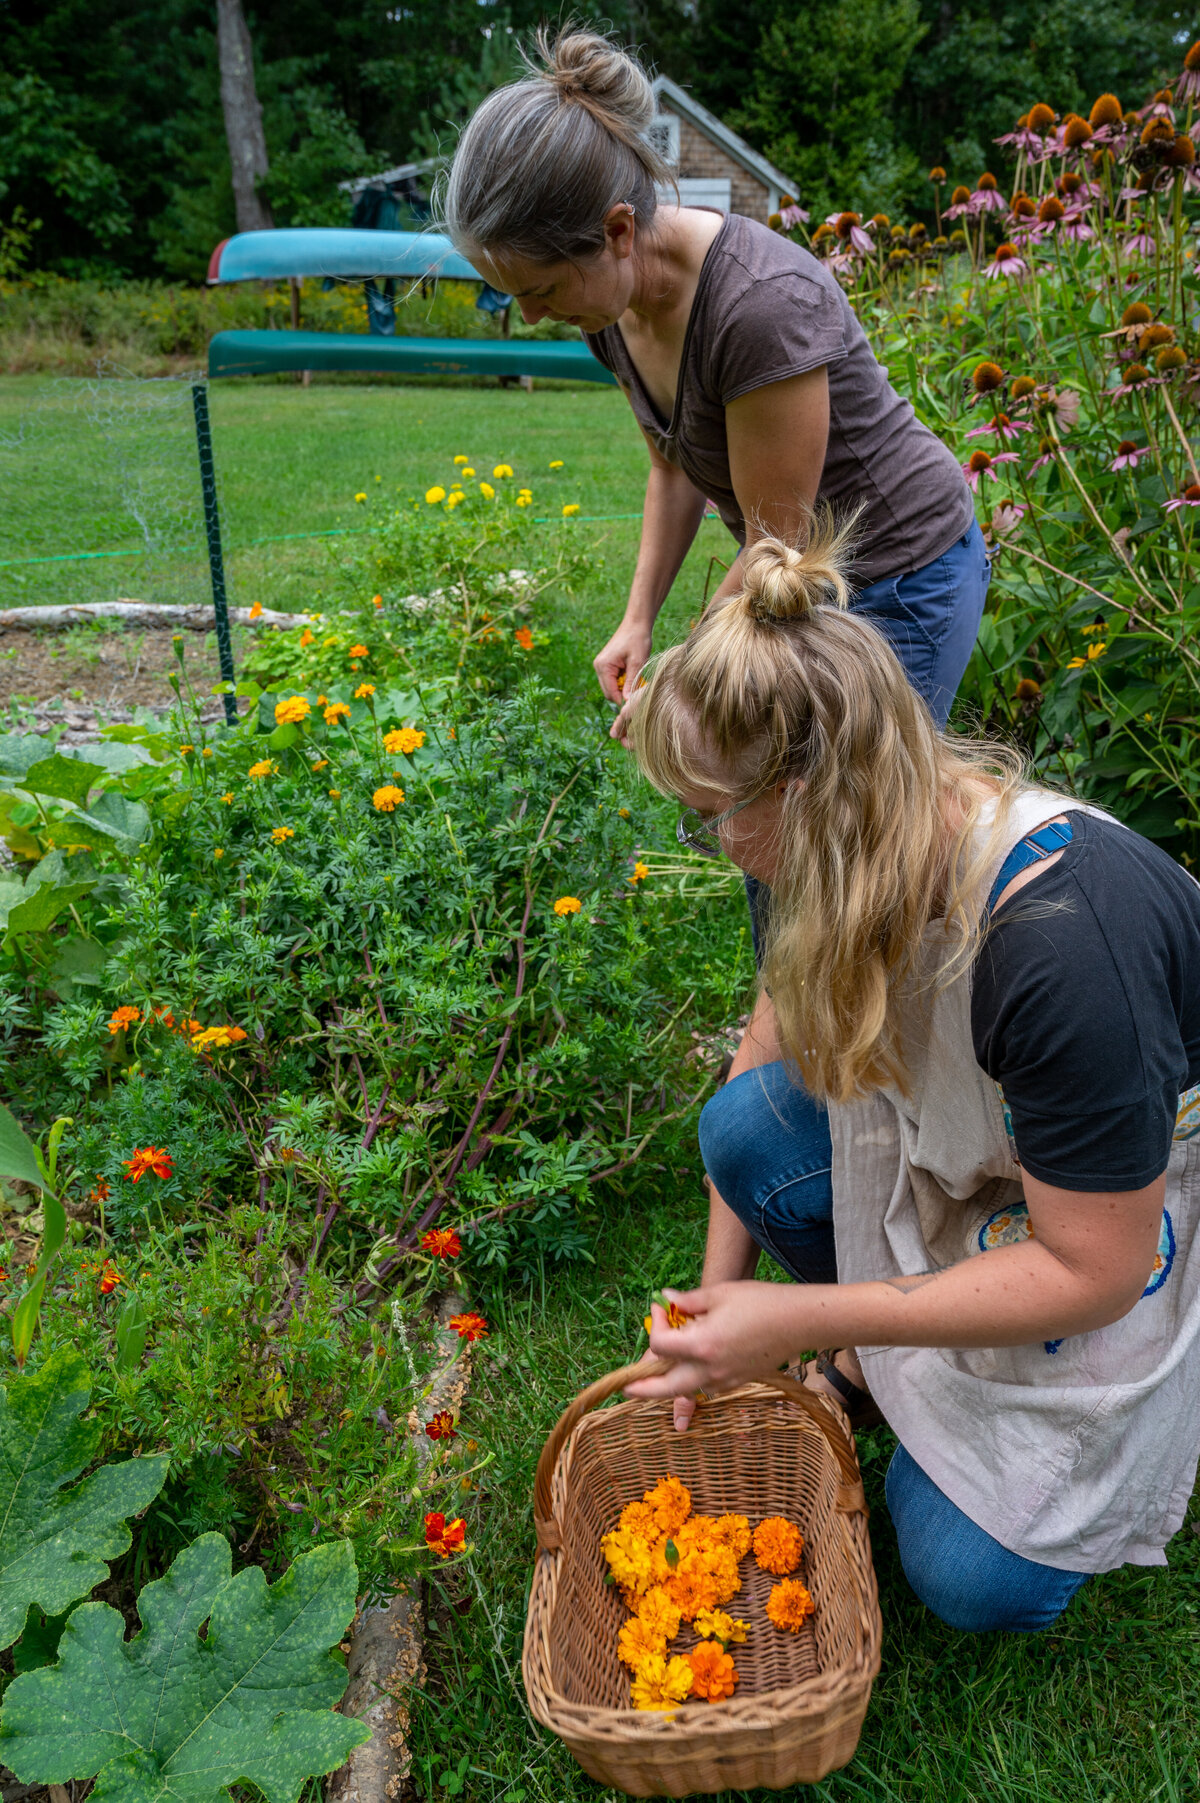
243, 116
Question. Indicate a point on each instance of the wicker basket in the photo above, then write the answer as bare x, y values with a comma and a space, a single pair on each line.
767, 1449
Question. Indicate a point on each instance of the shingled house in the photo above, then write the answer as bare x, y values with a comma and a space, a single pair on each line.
713, 166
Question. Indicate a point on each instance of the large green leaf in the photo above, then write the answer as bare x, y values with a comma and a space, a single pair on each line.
171, 1714
54, 1542
40, 906
18, 750
67, 779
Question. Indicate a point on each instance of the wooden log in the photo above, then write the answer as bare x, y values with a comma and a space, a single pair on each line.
140, 613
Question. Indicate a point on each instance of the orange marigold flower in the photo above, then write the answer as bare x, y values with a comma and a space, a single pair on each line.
639, 1518
110, 1277
280, 833
524, 638
441, 1426
256, 611
671, 1502
444, 1537
364, 691
99, 1192
148, 1158
714, 1674
638, 1640
402, 742
733, 1531
640, 872
263, 768
778, 1545
788, 1605
227, 797
359, 651
337, 710
388, 799
292, 711
376, 600
567, 904
692, 1590
469, 1327
307, 637
443, 1242
121, 1018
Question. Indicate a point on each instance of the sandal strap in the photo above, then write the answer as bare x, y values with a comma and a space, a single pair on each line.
851, 1393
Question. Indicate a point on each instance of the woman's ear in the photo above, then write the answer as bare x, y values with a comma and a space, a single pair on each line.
620, 230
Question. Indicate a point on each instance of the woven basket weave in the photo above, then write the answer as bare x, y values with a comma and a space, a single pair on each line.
767, 1449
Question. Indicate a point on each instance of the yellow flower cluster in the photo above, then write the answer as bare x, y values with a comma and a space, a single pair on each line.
292, 712
388, 799
673, 1566
404, 740
263, 768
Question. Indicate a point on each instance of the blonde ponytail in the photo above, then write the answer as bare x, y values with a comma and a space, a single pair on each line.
782, 682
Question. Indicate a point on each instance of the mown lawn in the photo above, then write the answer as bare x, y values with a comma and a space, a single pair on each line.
1101, 1711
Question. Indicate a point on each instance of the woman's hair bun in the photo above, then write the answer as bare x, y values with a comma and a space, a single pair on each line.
782, 581
584, 66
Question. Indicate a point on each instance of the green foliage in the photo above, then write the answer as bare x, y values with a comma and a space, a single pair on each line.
56, 1541
229, 1679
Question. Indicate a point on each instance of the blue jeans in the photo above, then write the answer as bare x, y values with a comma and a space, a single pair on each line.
766, 1147
930, 617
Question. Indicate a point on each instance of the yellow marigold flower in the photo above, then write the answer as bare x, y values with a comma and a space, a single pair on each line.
403, 741
524, 500
364, 691
557, 464
264, 767
567, 904
337, 710
734, 1532
227, 797
388, 799
319, 765
659, 1613
692, 1589
207, 752
788, 1605
638, 1641
435, 494
218, 851
461, 460
714, 1674
670, 1500
467, 471
640, 872
660, 1683
501, 470
639, 1518
629, 1559
624, 813
570, 508
185, 749
487, 491
335, 794
361, 497
778, 1545
714, 1624
292, 711
455, 498
280, 833
358, 651
322, 701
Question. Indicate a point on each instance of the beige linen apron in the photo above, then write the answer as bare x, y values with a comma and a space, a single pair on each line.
1079, 1452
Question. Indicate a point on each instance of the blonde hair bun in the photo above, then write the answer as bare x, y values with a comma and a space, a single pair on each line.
784, 582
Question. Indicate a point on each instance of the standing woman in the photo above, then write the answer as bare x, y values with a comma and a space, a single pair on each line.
748, 373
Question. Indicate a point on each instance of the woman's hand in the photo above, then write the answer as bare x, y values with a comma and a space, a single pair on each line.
621, 660
742, 1333
685, 1406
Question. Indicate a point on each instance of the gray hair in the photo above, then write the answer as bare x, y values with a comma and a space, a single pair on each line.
542, 161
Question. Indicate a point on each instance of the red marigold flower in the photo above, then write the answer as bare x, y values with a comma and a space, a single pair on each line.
469, 1327
524, 638
148, 1158
444, 1537
441, 1427
110, 1277
99, 1191
443, 1242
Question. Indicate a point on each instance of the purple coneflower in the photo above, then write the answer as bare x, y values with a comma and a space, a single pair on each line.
1006, 261
1137, 377
849, 229
1046, 450
1189, 498
1064, 404
987, 197
1076, 227
1002, 426
791, 215
1139, 244
961, 204
1188, 85
1129, 455
982, 463
1006, 517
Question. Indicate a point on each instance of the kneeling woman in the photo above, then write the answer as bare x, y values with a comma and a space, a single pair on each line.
987, 1020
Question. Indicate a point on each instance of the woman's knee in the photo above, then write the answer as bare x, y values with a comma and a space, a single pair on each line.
959, 1572
758, 1127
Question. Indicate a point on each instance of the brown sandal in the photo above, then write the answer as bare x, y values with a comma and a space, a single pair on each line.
862, 1411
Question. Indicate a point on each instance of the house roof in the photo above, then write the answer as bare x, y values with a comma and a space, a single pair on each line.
680, 101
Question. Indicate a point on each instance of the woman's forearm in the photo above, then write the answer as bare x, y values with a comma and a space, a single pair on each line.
673, 511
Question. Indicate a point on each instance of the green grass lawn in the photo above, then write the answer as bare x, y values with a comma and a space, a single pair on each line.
1103, 1710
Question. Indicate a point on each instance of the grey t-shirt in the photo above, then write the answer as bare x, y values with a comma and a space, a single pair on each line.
765, 309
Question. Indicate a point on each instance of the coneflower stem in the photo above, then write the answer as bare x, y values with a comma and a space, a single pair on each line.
1182, 435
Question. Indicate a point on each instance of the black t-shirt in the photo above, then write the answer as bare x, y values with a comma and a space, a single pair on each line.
1085, 1008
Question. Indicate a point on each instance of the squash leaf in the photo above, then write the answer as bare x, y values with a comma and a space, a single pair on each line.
180, 1714
54, 1542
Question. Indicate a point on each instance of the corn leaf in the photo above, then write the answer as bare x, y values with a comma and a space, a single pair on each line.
177, 1713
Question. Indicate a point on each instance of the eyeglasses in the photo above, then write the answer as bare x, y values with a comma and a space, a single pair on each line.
699, 834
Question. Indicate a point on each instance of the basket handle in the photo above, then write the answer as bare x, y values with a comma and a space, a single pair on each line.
850, 1497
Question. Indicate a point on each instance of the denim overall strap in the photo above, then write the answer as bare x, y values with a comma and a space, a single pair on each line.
1039, 844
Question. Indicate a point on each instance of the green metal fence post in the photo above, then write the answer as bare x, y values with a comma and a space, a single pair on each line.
212, 526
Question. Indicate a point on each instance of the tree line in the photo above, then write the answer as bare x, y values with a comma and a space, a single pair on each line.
117, 116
